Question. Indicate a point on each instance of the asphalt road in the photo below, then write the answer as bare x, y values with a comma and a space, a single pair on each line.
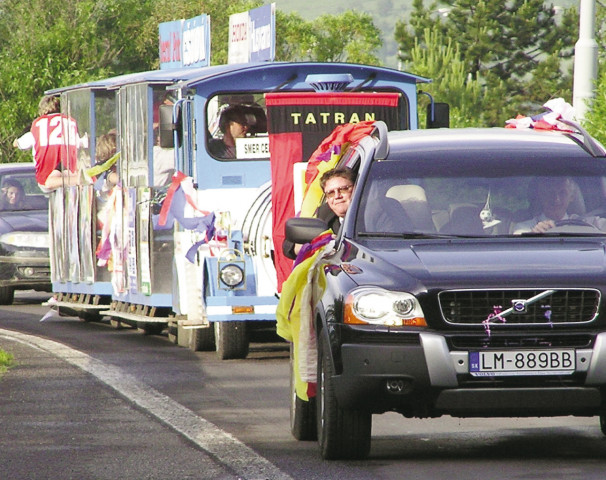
86, 401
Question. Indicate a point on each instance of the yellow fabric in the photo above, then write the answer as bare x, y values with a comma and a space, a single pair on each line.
97, 169
294, 315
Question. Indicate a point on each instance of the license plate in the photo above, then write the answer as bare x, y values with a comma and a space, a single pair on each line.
522, 362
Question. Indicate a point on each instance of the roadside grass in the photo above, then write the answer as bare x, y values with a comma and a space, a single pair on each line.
6, 360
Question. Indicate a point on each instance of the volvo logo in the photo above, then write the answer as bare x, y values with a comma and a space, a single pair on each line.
521, 305
518, 306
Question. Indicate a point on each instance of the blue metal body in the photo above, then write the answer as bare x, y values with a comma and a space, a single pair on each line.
222, 186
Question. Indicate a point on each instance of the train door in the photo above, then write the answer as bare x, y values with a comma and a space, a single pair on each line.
73, 227
141, 250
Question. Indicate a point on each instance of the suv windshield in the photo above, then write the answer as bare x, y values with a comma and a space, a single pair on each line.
481, 198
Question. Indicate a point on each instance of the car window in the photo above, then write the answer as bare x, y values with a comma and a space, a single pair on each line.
405, 197
33, 198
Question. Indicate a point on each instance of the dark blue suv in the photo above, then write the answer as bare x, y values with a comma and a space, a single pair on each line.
467, 280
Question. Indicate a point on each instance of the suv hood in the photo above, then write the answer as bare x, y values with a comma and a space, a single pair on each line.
489, 264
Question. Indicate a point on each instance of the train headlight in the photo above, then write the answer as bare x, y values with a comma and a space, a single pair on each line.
231, 270
231, 275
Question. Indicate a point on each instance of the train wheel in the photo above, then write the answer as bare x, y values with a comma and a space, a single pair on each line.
203, 339
231, 340
89, 316
117, 324
173, 332
151, 328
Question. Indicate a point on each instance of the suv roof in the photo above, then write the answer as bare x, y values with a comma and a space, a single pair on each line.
498, 141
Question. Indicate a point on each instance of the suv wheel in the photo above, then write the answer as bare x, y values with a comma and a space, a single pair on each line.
342, 433
302, 413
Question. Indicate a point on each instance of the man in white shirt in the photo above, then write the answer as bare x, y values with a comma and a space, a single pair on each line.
555, 195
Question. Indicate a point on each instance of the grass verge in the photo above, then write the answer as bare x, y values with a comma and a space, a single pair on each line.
6, 360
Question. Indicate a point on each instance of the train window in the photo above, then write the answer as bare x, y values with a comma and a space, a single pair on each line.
134, 146
76, 105
237, 127
163, 160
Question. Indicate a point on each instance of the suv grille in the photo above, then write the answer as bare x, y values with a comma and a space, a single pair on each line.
519, 307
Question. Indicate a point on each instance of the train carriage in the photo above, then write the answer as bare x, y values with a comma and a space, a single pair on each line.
183, 239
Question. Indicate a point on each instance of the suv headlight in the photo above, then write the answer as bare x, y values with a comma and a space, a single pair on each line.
26, 239
376, 306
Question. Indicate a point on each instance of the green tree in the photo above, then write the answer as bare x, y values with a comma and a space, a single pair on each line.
294, 37
515, 45
594, 121
46, 44
351, 36
439, 59
348, 37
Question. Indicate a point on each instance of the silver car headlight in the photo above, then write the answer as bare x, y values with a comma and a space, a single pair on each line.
376, 306
26, 239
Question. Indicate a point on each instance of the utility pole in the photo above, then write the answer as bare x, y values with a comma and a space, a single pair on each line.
585, 60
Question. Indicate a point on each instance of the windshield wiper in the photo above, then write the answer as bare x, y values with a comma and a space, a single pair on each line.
411, 235
560, 234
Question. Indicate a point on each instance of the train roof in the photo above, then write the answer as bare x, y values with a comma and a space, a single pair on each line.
362, 75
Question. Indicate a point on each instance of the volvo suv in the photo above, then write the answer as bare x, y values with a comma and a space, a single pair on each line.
467, 279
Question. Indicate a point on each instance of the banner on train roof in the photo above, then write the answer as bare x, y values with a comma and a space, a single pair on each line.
252, 35
185, 43
297, 124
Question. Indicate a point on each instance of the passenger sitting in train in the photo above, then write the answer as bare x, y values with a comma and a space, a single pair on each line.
105, 149
237, 121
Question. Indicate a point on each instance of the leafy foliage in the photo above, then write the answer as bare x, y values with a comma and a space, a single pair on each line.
441, 59
594, 121
514, 50
351, 36
46, 44
6, 360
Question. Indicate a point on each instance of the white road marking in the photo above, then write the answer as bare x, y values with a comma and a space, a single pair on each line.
224, 447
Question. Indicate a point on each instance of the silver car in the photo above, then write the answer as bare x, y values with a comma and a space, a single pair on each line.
24, 239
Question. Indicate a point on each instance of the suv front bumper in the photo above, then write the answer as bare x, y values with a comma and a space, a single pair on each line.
425, 380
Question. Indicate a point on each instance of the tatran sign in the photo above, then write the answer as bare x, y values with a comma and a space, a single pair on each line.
252, 35
185, 43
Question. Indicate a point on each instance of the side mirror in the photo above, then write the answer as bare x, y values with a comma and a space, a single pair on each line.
438, 115
304, 230
167, 127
